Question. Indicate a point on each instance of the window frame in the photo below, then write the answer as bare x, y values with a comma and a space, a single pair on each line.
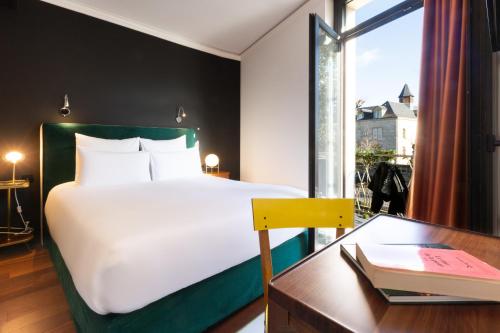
377, 134
387, 16
316, 24
339, 17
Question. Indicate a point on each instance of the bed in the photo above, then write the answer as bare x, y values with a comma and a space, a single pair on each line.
159, 265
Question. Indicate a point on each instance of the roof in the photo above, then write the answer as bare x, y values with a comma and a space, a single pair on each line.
398, 110
368, 111
405, 92
392, 110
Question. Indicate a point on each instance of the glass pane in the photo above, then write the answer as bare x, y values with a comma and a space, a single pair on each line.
363, 10
385, 106
328, 125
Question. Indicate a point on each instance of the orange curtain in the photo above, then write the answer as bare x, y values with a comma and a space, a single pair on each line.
439, 185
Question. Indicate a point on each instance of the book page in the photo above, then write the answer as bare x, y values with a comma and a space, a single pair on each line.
431, 260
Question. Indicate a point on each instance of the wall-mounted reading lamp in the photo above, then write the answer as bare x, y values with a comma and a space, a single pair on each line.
65, 110
180, 114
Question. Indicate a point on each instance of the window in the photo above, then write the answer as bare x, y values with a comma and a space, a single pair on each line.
377, 134
327, 113
372, 55
384, 58
366, 10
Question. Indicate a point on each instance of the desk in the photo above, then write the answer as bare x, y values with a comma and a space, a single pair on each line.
324, 293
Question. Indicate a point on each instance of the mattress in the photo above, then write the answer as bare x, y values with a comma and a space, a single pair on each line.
129, 245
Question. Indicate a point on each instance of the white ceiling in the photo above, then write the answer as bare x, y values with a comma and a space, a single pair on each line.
223, 27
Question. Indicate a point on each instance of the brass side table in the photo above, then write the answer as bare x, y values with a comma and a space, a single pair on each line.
11, 239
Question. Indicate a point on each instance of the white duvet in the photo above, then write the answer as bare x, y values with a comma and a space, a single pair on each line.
129, 245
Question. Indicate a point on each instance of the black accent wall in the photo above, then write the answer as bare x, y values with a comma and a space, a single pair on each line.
113, 75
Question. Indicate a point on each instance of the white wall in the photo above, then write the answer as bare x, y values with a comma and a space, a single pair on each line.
275, 101
410, 125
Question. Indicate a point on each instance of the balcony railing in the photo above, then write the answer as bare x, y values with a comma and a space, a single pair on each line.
364, 173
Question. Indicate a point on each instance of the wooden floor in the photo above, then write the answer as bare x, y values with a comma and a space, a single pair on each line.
32, 299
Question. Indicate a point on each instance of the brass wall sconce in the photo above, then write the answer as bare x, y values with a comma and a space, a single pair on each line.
180, 114
65, 110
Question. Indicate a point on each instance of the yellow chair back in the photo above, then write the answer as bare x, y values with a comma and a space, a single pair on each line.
295, 213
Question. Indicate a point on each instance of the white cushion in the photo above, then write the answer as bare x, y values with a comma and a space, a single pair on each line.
110, 145
180, 164
109, 168
164, 146
107, 145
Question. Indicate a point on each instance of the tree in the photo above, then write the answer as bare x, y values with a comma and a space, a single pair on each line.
359, 103
369, 153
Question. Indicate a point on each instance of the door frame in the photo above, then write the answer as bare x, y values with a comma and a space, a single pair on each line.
315, 24
342, 37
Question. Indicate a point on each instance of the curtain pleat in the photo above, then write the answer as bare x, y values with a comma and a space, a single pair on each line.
439, 185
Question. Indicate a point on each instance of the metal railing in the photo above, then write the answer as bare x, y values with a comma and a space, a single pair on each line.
364, 173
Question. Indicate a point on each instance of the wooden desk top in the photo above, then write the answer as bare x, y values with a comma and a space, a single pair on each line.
329, 294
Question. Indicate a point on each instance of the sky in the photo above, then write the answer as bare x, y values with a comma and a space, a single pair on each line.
389, 56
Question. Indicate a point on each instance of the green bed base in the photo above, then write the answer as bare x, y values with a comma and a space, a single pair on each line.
192, 309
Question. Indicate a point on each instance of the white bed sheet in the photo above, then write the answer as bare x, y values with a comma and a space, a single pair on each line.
129, 245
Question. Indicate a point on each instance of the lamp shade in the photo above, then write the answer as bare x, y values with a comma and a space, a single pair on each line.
14, 157
212, 160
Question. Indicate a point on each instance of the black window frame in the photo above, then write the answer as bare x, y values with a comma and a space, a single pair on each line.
383, 18
315, 24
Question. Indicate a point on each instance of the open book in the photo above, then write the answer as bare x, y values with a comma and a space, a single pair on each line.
402, 296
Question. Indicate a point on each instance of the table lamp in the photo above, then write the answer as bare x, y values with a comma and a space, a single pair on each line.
211, 162
14, 157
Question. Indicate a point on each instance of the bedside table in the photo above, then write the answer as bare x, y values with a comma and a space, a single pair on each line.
220, 174
12, 239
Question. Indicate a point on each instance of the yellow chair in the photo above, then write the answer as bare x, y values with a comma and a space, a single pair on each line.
295, 213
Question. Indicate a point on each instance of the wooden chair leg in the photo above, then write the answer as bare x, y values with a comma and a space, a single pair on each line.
266, 319
267, 265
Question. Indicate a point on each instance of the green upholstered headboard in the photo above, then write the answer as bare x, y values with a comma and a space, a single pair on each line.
57, 146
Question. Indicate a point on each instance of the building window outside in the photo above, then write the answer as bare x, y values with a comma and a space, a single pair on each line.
377, 134
404, 133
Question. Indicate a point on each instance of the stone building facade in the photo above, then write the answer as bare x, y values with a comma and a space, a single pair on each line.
392, 125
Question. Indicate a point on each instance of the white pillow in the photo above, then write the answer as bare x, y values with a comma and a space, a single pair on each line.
110, 145
107, 168
164, 146
98, 144
179, 164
